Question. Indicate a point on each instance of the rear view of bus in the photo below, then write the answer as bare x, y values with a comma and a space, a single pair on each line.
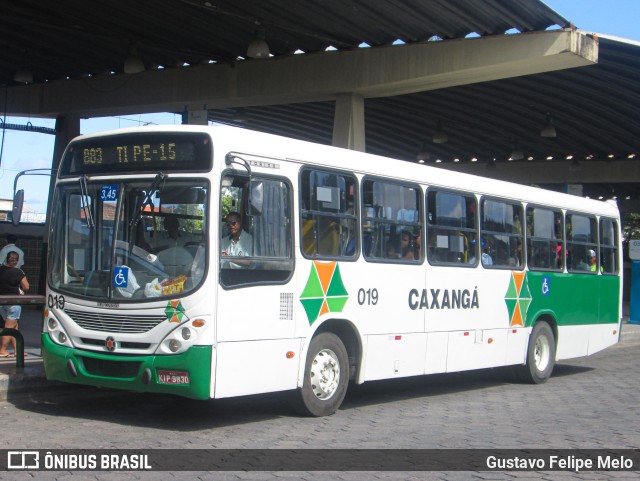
129, 235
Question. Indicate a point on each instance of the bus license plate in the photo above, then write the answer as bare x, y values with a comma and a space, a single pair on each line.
173, 377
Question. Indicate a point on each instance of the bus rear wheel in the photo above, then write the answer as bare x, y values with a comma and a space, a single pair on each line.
541, 355
326, 376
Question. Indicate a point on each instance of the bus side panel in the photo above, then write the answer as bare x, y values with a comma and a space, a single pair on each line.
609, 295
517, 343
437, 347
392, 355
253, 367
572, 298
476, 349
254, 313
573, 341
602, 337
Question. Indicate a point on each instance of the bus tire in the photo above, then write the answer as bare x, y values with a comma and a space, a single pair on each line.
541, 355
326, 376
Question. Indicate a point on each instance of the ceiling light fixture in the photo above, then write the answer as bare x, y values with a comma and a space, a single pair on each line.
517, 153
423, 154
23, 75
133, 64
439, 137
258, 48
240, 116
549, 129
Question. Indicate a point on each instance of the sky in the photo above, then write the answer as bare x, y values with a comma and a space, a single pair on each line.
26, 150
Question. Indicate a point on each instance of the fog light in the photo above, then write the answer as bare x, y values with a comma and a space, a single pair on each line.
52, 323
174, 345
62, 337
186, 333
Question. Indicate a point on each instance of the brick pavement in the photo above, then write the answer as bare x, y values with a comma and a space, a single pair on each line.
13, 382
589, 403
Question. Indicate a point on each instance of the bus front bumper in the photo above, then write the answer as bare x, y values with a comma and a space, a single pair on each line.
161, 374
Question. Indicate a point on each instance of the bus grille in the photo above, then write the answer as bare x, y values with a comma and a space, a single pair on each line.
115, 323
99, 367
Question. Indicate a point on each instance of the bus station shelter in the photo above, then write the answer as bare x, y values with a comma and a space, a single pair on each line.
506, 89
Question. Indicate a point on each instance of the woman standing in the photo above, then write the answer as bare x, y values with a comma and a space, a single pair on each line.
13, 282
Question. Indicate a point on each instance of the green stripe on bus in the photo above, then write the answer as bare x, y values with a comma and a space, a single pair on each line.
196, 360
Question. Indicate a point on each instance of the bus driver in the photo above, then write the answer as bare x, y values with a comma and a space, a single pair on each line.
237, 242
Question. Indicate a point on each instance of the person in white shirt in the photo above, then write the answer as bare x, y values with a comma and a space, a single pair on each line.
237, 243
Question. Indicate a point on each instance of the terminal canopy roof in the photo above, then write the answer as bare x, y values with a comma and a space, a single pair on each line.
593, 108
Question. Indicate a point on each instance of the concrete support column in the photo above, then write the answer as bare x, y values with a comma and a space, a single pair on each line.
67, 127
348, 122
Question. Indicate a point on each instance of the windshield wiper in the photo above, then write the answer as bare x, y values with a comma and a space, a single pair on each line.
160, 177
86, 208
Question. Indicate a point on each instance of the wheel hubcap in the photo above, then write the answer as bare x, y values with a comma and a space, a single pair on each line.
542, 353
325, 374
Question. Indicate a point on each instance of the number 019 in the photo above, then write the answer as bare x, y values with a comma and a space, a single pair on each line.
369, 296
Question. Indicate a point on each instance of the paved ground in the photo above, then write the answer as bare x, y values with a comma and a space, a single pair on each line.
588, 403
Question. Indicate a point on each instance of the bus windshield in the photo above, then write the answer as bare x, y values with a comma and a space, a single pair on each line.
137, 240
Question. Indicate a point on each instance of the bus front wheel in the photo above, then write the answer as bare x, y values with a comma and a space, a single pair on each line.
541, 355
326, 376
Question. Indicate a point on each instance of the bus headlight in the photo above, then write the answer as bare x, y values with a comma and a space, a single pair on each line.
56, 332
182, 337
174, 345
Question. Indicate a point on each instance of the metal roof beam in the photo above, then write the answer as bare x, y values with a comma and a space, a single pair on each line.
367, 72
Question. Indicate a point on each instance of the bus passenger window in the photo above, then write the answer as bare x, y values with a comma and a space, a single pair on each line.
501, 234
392, 221
608, 246
544, 239
255, 232
452, 228
328, 219
582, 243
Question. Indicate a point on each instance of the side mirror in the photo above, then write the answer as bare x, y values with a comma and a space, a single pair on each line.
16, 212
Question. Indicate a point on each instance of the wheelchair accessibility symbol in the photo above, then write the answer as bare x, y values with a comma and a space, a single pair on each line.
546, 285
120, 277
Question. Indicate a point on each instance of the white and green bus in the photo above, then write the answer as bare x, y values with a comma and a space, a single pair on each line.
354, 267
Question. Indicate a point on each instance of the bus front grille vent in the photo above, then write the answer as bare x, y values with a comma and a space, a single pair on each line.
123, 344
93, 321
100, 367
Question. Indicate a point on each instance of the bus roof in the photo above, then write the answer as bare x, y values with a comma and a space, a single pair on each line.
236, 139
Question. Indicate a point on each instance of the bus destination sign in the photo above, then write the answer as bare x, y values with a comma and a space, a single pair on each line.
138, 153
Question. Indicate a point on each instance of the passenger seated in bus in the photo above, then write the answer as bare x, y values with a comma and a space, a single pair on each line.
407, 246
486, 258
593, 261
584, 266
172, 234
237, 242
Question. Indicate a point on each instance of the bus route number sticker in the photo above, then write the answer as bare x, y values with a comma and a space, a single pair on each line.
109, 193
121, 277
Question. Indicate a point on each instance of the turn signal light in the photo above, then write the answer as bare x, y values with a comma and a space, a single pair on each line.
290, 354
198, 323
